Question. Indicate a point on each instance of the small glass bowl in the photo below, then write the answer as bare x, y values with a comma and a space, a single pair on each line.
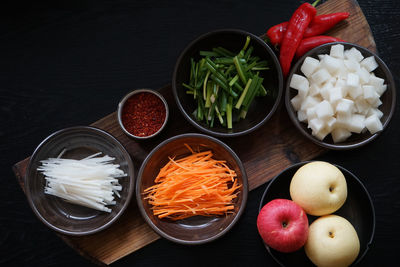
121, 106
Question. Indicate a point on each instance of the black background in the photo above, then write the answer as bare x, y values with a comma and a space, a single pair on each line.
69, 63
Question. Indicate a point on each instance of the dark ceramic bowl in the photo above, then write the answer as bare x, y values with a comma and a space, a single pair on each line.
358, 210
79, 143
355, 140
121, 106
198, 229
260, 110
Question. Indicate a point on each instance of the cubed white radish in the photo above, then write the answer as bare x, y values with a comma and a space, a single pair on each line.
309, 66
296, 102
340, 135
325, 90
320, 76
376, 104
354, 92
343, 121
335, 94
337, 51
356, 123
370, 95
314, 90
376, 81
331, 64
364, 75
324, 110
352, 80
369, 63
351, 65
316, 125
381, 90
373, 124
353, 53
362, 106
321, 56
302, 115
309, 102
330, 123
321, 134
375, 111
300, 83
344, 107
311, 114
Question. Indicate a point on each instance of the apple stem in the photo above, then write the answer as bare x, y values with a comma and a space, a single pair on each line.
284, 224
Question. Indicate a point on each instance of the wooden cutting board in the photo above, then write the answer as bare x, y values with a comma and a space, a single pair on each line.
264, 153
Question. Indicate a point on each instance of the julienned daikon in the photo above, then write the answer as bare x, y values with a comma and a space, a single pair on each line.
90, 182
339, 94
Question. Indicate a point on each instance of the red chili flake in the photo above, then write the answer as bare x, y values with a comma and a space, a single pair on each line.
143, 114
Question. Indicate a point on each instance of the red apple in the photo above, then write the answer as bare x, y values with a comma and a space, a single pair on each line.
283, 225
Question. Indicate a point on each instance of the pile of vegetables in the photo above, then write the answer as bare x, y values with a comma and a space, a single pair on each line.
302, 33
225, 83
194, 185
90, 182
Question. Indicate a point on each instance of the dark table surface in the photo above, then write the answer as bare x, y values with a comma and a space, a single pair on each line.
68, 64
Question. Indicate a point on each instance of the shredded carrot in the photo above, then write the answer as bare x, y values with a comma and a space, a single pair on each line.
194, 185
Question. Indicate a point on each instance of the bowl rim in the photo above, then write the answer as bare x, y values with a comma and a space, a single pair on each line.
342, 169
338, 146
95, 130
245, 190
122, 103
233, 31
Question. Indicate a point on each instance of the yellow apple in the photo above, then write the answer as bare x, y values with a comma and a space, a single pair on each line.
332, 241
319, 187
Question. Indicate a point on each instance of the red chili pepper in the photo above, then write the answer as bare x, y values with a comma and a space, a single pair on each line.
309, 43
320, 24
298, 23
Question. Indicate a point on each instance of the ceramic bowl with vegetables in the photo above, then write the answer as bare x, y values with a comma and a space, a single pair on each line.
227, 82
79, 180
191, 189
340, 96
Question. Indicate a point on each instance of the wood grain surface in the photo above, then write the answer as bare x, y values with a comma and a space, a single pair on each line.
264, 152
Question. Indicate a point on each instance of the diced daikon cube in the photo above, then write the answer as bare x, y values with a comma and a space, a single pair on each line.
353, 53
321, 134
340, 135
309, 102
356, 123
381, 90
376, 81
324, 110
344, 107
325, 90
369, 63
309, 66
311, 114
352, 80
331, 64
302, 115
362, 106
321, 56
330, 123
370, 94
354, 92
364, 75
337, 51
343, 121
316, 124
373, 124
335, 94
320, 76
300, 83
314, 90
351, 65
296, 102
375, 111
377, 103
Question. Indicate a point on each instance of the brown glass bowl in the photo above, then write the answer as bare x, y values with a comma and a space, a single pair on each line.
358, 209
355, 140
198, 229
64, 217
261, 109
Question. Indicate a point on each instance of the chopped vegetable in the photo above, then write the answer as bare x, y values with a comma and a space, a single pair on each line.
90, 182
194, 185
221, 75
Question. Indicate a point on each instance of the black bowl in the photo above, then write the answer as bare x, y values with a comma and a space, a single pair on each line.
261, 109
355, 140
195, 230
358, 210
64, 217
